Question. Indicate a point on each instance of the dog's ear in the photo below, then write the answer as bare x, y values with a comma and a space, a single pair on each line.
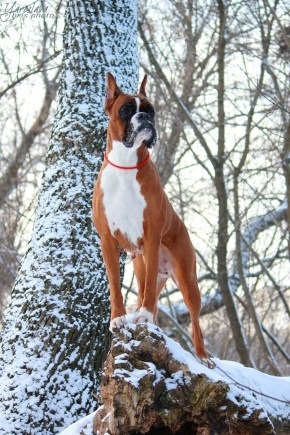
112, 91
143, 86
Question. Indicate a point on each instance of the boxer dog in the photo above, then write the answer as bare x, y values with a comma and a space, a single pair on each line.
131, 212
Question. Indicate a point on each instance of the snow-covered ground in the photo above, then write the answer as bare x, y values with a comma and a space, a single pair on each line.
84, 425
259, 390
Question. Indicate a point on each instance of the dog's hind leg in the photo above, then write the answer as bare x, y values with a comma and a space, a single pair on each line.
188, 286
184, 275
190, 291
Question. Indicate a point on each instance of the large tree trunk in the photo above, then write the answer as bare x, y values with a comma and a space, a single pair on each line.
56, 330
151, 385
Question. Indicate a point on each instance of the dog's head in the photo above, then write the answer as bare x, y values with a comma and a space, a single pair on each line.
131, 117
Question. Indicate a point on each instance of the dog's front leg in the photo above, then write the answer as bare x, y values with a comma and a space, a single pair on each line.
111, 255
148, 309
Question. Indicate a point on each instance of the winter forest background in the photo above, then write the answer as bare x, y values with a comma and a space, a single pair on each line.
218, 76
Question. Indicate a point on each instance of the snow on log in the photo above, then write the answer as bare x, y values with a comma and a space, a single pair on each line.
151, 385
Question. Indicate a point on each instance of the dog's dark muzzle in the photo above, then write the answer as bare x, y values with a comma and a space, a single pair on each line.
145, 126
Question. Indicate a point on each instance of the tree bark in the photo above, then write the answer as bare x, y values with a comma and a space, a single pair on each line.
56, 330
148, 386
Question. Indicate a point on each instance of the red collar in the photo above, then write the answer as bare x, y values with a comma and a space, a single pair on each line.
147, 158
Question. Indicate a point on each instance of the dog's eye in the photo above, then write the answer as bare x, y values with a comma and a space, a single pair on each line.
126, 111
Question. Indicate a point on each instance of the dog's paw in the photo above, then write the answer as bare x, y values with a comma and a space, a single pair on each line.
131, 317
208, 362
118, 323
144, 316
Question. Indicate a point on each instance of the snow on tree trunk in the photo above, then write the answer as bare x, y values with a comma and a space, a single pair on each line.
56, 331
151, 385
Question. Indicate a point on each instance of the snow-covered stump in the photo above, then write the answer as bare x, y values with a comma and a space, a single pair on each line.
150, 385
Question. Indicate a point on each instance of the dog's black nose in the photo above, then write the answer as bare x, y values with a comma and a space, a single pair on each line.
143, 116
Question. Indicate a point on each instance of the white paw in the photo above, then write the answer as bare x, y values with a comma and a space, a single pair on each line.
144, 316
131, 318
118, 323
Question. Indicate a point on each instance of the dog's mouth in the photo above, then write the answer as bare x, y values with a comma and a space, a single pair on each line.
143, 134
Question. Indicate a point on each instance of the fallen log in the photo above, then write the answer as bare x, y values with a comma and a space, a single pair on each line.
150, 385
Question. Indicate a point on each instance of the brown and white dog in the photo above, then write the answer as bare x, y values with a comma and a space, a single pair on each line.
132, 212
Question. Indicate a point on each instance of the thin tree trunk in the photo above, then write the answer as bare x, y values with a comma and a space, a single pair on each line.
248, 237
286, 169
219, 179
268, 354
10, 177
56, 331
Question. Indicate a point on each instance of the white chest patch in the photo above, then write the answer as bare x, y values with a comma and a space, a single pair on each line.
124, 204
